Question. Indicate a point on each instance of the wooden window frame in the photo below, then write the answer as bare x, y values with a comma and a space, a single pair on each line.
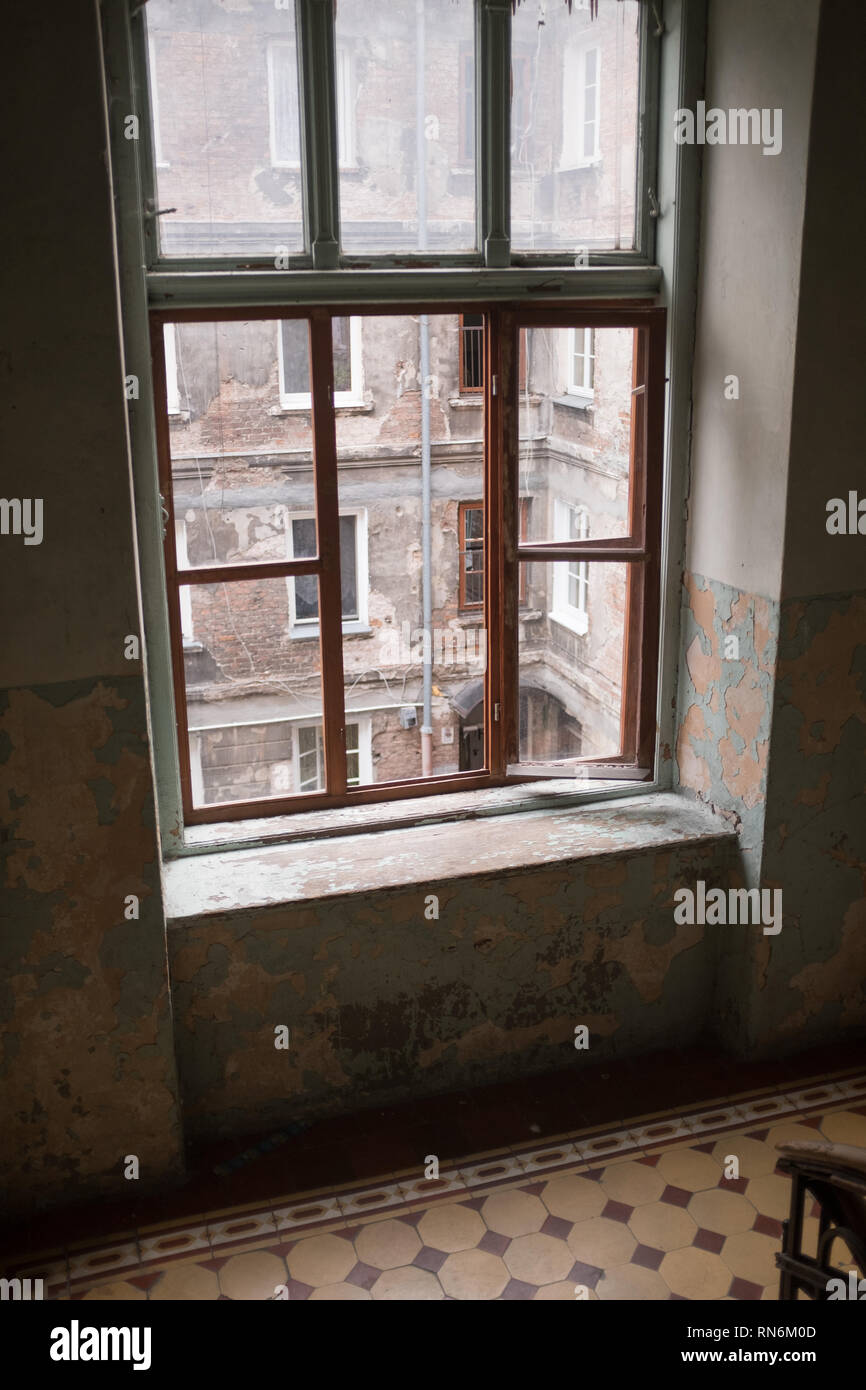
504, 553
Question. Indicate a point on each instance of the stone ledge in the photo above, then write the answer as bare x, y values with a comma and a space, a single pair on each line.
243, 880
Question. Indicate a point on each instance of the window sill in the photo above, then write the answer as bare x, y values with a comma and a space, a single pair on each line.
575, 402
548, 828
579, 624
356, 407
350, 629
470, 402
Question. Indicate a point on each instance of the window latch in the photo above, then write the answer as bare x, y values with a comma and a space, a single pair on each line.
496, 709
151, 211
653, 202
494, 386
164, 512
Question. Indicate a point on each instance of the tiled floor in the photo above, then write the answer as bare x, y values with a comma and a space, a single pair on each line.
649, 1211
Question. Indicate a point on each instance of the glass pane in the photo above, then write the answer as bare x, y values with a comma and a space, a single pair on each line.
224, 84
254, 693
241, 457
576, 407
570, 659
410, 66
388, 663
574, 121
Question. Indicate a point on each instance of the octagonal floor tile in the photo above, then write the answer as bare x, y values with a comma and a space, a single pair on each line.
844, 1127
601, 1242
321, 1260
387, 1244
514, 1213
723, 1211
695, 1274
409, 1284
633, 1283
689, 1169
662, 1226
340, 1293
562, 1292
538, 1259
451, 1227
633, 1183
752, 1256
574, 1198
754, 1156
121, 1292
770, 1194
252, 1276
473, 1274
182, 1281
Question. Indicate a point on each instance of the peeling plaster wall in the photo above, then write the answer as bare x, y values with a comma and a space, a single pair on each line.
775, 739
86, 1055
384, 1004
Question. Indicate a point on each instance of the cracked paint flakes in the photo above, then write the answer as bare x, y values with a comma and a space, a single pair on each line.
726, 694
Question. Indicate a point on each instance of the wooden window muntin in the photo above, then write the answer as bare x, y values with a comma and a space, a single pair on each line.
504, 552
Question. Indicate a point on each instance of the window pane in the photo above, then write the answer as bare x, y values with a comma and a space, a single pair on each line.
576, 431
403, 59
249, 686
570, 660
574, 121
228, 137
381, 484
232, 443
295, 335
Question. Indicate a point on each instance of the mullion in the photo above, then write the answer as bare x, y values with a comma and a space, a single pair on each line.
328, 546
320, 173
493, 130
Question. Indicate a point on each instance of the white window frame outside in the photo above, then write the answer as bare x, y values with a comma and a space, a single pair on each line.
185, 590
584, 389
346, 157
309, 627
159, 158
364, 750
287, 47
573, 154
574, 617
301, 400
172, 388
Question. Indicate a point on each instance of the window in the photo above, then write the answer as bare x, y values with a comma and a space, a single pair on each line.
310, 761
172, 389
185, 594
471, 367
294, 370
318, 239
581, 363
466, 148
304, 590
284, 111
471, 352
580, 108
158, 156
471, 555
285, 130
571, 580
471, 552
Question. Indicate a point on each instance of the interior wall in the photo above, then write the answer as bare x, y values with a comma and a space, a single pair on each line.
86, 1051
774, 735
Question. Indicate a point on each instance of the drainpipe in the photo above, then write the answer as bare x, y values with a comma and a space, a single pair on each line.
424, 362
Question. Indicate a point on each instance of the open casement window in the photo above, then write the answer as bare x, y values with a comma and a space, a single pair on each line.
278, 558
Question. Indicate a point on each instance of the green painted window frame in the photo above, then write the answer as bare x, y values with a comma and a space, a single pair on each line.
321, 275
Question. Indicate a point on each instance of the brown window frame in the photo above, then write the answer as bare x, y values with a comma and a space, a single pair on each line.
464, 388
464, 604
505, 552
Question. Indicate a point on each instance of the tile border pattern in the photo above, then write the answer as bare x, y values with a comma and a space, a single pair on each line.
143, 1254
